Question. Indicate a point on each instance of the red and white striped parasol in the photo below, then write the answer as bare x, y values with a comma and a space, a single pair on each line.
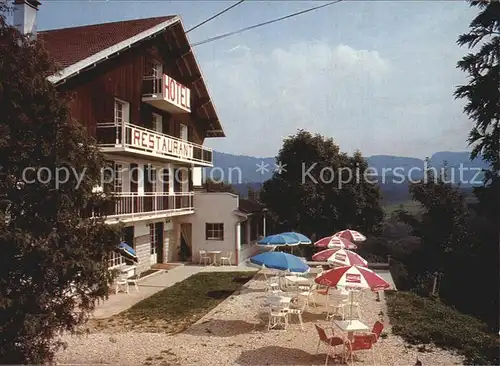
350, 235
353, 278
335, 242
340, 257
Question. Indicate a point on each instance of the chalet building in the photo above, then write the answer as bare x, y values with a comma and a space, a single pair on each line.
137, 88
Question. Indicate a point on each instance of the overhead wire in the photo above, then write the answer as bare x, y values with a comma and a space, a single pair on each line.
214, 16
225, 35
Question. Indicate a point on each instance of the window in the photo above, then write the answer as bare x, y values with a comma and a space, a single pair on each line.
214, 231
156, 69
157, 123
153, 238
118, 178
121, 111
115, 259
184, 132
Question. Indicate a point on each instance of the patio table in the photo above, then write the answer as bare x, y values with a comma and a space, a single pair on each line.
214, 254
351, 326
280, 299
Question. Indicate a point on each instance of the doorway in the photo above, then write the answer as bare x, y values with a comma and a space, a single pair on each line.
185, 248
156, 242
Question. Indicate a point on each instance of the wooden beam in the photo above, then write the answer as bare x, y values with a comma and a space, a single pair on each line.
200, 103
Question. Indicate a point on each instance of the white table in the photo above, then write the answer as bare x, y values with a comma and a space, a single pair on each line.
128, 271
351, 326
214, 254
297, 280
279, 299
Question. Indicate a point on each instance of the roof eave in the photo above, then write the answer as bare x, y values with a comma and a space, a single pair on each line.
103, 55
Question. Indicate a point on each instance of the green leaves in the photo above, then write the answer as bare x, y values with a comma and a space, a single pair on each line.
319, 193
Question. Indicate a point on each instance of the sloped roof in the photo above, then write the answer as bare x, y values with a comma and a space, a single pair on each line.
67, 46
250, 206
76, 49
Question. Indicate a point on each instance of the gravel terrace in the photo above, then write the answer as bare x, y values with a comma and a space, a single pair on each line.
235, 333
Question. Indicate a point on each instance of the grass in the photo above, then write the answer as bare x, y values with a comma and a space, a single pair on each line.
177, 307
423, 321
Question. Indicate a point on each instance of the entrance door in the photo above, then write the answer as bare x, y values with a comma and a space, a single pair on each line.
159, 242
185, 253
153, 246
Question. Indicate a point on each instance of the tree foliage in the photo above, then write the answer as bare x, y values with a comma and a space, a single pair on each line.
53, 265
306, 197
482, 93
457, 245
216, 186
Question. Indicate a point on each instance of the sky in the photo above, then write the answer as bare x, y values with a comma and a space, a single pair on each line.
377, 76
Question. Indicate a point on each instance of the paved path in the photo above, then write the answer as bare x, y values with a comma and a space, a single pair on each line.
149, 286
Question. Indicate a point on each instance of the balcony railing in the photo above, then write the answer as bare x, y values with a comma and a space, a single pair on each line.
131, 204
167, 94
122, 137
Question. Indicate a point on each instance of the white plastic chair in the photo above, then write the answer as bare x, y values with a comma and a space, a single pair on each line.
278, 313
299, 310
204, 257
226, 259
121, 283
133, 280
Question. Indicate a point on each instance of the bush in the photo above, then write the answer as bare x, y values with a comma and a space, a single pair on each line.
423, 320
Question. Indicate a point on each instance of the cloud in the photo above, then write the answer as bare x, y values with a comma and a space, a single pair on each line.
357, 96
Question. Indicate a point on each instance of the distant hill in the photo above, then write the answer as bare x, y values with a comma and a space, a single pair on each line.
394, 171
238, 169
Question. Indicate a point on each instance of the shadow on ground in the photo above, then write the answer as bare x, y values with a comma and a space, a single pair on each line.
224, 328
274, 355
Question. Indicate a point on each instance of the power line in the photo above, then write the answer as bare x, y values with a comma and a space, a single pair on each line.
264, 23
215, 16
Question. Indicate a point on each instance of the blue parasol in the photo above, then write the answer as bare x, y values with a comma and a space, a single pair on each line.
298, 236
280, 261
278, 240
128, 252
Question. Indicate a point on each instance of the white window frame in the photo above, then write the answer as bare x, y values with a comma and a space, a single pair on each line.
156, 69
157, 122
153, 239
118, 178
184, 132
214, 231
121, 111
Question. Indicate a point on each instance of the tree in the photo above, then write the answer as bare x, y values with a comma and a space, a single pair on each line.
48, 248
215, 186
483, 90
482, 94
314, 193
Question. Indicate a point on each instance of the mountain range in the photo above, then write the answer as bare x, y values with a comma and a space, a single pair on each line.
392, 172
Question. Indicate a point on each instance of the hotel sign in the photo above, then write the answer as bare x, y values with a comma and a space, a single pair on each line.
160, 144
176, 94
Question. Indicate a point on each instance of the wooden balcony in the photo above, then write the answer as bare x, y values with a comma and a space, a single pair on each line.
166, 94
131, 206
129, 139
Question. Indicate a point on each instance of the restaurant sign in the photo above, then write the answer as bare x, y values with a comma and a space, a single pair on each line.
160, 144
176, 93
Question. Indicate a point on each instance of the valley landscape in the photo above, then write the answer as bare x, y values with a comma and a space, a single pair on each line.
243, 172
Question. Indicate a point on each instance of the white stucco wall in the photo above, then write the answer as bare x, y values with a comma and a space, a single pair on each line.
216, 207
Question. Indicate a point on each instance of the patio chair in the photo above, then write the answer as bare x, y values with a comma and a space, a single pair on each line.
204, 257
331, 342
299, 310
226, 259
272, 283
349, 311
360, 343
133, 280
121, 283
308, 294
278, 314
